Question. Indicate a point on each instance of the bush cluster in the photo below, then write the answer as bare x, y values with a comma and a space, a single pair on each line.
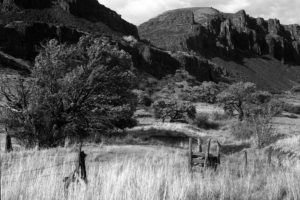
173, 110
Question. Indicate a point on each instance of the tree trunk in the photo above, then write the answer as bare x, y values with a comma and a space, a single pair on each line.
241, 112
241, 115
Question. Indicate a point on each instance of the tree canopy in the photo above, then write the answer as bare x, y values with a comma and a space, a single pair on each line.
74, 90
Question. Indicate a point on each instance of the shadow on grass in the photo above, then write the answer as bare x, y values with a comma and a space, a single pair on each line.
202, 121
232, 148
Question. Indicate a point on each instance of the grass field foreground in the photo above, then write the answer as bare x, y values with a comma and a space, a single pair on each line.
141, 173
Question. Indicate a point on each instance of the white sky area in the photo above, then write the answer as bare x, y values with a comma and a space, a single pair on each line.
139, 11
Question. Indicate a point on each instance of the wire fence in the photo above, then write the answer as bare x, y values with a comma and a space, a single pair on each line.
20, 176
38, 169
31, 178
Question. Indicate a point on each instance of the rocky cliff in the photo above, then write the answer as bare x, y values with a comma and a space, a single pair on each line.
211, 33
26, 24
209, 44
82, 14
249, 49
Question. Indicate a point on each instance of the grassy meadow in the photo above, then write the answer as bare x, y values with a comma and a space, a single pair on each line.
141, 169
148, 173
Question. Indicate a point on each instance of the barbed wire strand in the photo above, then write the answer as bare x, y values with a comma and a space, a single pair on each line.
31, 178
38, 169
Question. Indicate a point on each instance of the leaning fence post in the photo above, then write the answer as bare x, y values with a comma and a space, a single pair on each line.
79, 172
190, 154
199, 145
8, 144
81, 165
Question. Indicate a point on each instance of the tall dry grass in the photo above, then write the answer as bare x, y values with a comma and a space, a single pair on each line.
155, 175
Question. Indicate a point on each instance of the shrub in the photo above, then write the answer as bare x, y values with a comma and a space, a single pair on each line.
260, 97
202, 121
174, 110
296, 89
291, 108
258, 127
275, 107
143, 98
263, 130
206, 92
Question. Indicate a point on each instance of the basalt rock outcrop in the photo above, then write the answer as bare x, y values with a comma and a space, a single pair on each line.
26, 24
23, 39
159, 63
85, 14
211, 33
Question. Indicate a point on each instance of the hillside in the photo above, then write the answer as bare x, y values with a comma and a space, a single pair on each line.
238, 42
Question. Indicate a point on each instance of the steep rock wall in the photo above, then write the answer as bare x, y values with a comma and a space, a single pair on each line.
212, 33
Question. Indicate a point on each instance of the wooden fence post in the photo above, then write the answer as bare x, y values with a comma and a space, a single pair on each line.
270, 156
8, 144
81, 165
79, 172
279, 161
207, 155
245, 161
199, 145
190, 154
219, 152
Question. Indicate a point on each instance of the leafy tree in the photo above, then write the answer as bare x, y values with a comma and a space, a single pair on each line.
174, 110
143, 98
245, 99
206, 92
235, 97
74, 90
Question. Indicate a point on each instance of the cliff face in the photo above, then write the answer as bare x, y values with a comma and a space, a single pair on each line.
51, 11
187, 38
25, 24
23, 39
159, 63
211, 33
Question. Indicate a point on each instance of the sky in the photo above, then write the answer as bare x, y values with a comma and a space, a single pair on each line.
139, 11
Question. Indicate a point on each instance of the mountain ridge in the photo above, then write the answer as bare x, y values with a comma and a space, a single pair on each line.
191, 29
235, 41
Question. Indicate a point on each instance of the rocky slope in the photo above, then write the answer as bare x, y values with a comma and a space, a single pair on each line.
237, 40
